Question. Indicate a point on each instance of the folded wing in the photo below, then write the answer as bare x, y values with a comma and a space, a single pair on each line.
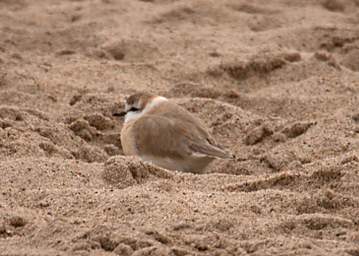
178, 139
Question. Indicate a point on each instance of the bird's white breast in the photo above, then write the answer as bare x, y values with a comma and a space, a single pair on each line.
132, 116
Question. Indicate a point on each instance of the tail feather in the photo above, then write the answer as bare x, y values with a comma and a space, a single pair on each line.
211, 151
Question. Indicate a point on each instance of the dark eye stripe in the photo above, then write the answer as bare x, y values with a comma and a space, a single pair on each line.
133, 109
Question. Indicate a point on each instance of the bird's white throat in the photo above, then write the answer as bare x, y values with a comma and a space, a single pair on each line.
130, 116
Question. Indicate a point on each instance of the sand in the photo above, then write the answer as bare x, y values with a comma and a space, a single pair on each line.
275, 81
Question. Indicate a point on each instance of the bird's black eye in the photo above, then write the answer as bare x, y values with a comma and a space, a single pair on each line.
133, 109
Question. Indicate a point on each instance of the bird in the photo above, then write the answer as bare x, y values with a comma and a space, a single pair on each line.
167, 135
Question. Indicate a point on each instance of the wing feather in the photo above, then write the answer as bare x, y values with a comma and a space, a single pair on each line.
175, 138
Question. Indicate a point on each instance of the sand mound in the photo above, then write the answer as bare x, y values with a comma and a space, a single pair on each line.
128, 171
276, 82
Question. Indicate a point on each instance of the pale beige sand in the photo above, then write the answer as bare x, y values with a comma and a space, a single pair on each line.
276, 81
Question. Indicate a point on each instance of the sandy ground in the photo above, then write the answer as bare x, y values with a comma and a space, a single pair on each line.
276, 82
